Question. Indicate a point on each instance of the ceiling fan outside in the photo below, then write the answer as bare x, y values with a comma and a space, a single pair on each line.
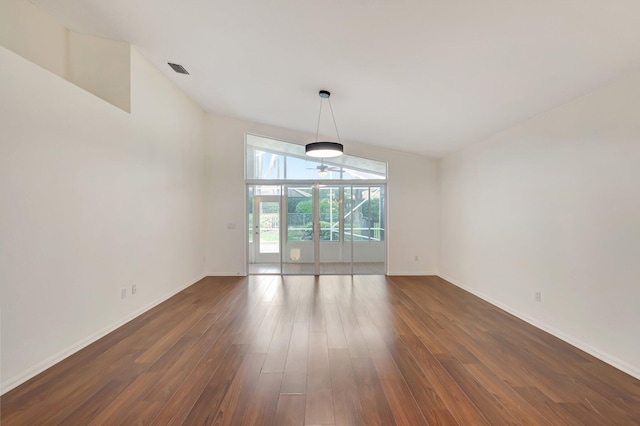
323, 168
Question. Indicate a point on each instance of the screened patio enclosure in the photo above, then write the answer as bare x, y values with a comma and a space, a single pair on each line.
308, 216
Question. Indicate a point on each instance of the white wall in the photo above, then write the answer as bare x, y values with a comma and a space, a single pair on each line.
553, 205
98, 65
94, 199
31, 33
411, 194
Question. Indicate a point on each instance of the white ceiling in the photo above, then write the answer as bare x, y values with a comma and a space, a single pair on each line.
421, 76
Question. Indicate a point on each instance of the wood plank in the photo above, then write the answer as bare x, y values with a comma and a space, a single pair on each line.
290, 410
375, 407
264, 334
401, 402
206, 408
519, 407
276, 358
555, 413
347, 407
261, 409
319, 402
295, 371
142, 413
317, 321
236, 400
335, 333
119, 409
355, 341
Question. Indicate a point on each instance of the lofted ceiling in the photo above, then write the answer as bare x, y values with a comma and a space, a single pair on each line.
422, 76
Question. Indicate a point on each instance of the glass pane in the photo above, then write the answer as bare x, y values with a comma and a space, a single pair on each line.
335, 252
298, 256
360, 214
329, 213
376, 213
368, 213
267, 190
250, 219
268, 165
348, 213
300, 214
269, 227
305, 168
368, 230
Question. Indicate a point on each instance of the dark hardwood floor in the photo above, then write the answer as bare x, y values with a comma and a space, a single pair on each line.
334, 350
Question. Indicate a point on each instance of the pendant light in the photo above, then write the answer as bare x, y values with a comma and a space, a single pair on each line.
325, 149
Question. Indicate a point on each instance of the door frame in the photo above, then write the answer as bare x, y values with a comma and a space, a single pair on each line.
257, 255
282, 198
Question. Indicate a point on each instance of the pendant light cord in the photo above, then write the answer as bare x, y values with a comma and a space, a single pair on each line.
334, 120
332, 116
320, 115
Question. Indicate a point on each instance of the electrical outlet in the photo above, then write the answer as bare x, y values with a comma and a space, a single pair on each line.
124, 293
415, 258
538, 296
133, 289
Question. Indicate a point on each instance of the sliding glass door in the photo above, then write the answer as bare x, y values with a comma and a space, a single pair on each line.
320, 229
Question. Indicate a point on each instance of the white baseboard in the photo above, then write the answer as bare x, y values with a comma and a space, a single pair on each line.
19, 379
411, 274
601, 355
227, 274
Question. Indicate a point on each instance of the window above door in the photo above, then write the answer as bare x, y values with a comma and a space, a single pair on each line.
271, 159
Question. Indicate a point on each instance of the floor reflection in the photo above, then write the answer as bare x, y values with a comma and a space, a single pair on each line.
327, 268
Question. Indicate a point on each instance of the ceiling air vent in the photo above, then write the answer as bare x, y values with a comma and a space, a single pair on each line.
178, 68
